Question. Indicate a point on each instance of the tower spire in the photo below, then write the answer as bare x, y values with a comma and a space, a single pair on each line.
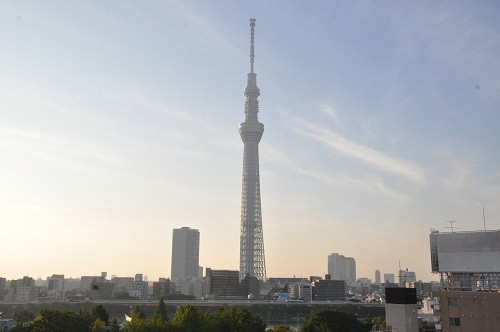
252, 260
252, 91
252, 34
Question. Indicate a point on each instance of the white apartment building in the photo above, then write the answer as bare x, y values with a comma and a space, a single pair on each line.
56, 290
341, 267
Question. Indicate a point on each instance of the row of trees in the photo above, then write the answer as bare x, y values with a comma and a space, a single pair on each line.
186, 319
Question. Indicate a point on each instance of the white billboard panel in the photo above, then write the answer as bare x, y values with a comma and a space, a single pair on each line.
468, 251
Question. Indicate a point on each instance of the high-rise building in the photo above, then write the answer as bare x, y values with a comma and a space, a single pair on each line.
350, 270
252, 259
185, 253
406, 277
377, 277
342, 268
389, 278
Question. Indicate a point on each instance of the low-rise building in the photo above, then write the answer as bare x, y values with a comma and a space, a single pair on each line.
162, 288
388, 278
401, 309
469, 311
71, 284
3, 290
305, 292
104, 289
23, 290
406, 277
223, 283
250, 287
328, 290
55, 287
87, 281
140, 288
123, 284
6, 325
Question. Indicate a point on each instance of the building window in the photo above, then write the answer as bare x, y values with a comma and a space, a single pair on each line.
454, 321
453, 302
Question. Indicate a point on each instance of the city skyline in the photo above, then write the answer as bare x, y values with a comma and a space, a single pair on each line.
118, 124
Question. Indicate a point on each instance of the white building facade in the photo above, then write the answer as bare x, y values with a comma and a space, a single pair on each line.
341, 267
56, 289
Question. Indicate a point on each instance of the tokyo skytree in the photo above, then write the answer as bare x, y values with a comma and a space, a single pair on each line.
252, 259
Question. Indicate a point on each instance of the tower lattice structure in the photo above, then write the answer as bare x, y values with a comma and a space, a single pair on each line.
252, 259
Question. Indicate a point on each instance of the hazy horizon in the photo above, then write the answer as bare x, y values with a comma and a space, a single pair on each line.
118, 123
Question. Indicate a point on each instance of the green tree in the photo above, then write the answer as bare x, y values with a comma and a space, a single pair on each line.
99, 312
136, 325
20, 328
238, 319
24, 316
61, 321
98, 325
192, 319
328, 320
279, 328
160, 312
137, 313
380, 320
114, 325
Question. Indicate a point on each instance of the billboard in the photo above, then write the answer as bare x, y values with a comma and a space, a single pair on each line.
465, 251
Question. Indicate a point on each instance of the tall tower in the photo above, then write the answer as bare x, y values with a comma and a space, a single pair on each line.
252, 260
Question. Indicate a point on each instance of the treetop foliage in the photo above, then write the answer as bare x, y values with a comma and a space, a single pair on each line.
186, 319
329, 320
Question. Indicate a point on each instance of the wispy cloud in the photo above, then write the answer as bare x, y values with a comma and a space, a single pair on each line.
329, 111
274, 154
360, 152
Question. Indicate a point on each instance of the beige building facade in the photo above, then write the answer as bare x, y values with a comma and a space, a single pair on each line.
469, 311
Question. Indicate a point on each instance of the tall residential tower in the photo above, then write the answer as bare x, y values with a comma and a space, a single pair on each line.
252, 260
342, 268
185, 253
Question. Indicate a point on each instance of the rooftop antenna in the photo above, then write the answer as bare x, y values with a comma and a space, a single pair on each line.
451, 225
399, 274
484, 219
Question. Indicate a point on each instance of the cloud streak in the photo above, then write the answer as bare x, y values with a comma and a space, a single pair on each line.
343, 181
362, 153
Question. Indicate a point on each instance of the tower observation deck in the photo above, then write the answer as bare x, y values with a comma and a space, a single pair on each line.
252, 259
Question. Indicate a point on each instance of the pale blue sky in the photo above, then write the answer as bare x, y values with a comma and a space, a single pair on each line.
118, 123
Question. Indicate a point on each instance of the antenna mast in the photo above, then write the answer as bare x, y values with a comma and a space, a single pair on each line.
451, 225
252, 55
484, 219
